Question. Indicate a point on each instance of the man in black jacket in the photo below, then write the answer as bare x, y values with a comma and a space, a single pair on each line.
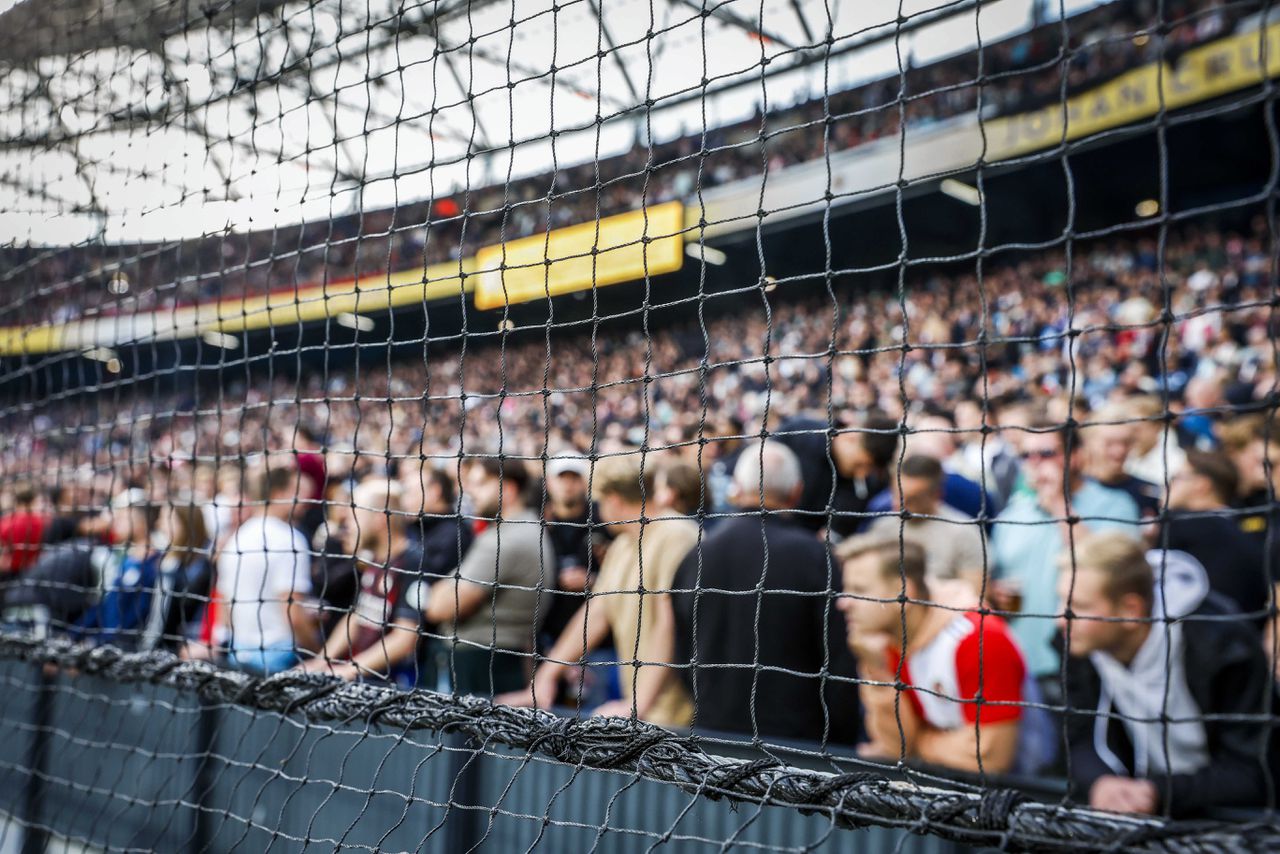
756, 620
1166, 714
439, 529
842, 472
1200, 522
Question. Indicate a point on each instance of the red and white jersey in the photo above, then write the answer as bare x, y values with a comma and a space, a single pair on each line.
958, 662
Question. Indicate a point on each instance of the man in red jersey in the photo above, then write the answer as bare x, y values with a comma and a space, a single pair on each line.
965, 674
21, 532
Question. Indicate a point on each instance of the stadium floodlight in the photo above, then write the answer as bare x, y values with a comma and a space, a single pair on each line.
221, 340
358, 322
961, 191
101, 354
709, 254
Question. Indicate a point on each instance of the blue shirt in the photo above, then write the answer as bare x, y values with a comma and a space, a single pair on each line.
1025, 545
121, 614
957, 490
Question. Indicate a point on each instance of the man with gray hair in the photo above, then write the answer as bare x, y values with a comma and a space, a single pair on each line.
767, 476
755, 620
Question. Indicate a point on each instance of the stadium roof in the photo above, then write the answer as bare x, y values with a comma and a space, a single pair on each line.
128, 120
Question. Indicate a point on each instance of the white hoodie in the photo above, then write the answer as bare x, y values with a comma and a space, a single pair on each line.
1154, 684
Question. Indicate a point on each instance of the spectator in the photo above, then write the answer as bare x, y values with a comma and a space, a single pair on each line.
569, 529
860, 456
754, 619
75, 514
934, 436
987, 460
435, 523
1156, 455
958, 492
490, 612
716, 460
677, 486
1202, 524
953, 543
127, 579
1035, 529
221, 510
21, 532
55, 592
264, 579
1108, 445
380, 634
1202, 399
335, 578
968, 716
630, 603
186, 571
1160, 687
1251, 442
312, 476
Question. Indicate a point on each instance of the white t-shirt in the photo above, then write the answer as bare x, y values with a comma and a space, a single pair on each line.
263, 563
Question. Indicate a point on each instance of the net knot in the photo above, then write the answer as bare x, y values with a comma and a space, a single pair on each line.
556, 738
996, 807
639, 739
824, 790
723, 778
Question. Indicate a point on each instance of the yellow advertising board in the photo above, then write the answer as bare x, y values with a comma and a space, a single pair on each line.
361, 296
1200, 74
582, 256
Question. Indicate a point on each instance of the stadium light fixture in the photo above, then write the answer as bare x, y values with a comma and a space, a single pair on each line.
102, 354
221, 340
1147, 208
706, 253
961, 192
119, 284
355, 321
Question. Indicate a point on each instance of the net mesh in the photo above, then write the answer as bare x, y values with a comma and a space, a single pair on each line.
624, 424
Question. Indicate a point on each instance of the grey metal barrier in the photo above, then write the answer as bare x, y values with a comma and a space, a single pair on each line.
144, 767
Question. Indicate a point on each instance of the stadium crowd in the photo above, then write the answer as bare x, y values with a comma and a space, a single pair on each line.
1023, 72
1070, 545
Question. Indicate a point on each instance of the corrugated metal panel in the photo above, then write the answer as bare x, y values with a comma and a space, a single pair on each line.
17, 713
123, 766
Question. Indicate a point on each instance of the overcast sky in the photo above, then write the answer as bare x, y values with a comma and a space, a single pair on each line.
161, 181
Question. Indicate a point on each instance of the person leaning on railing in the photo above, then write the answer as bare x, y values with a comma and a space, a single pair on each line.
963, 706
1167, 699
489, 613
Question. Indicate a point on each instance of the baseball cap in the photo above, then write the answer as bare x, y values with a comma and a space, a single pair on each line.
557, 466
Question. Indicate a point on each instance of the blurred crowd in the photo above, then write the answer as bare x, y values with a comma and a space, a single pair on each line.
1023, 72
1022, 524
678, 385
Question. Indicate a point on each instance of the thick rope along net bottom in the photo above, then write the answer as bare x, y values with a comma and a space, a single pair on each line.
623, 425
